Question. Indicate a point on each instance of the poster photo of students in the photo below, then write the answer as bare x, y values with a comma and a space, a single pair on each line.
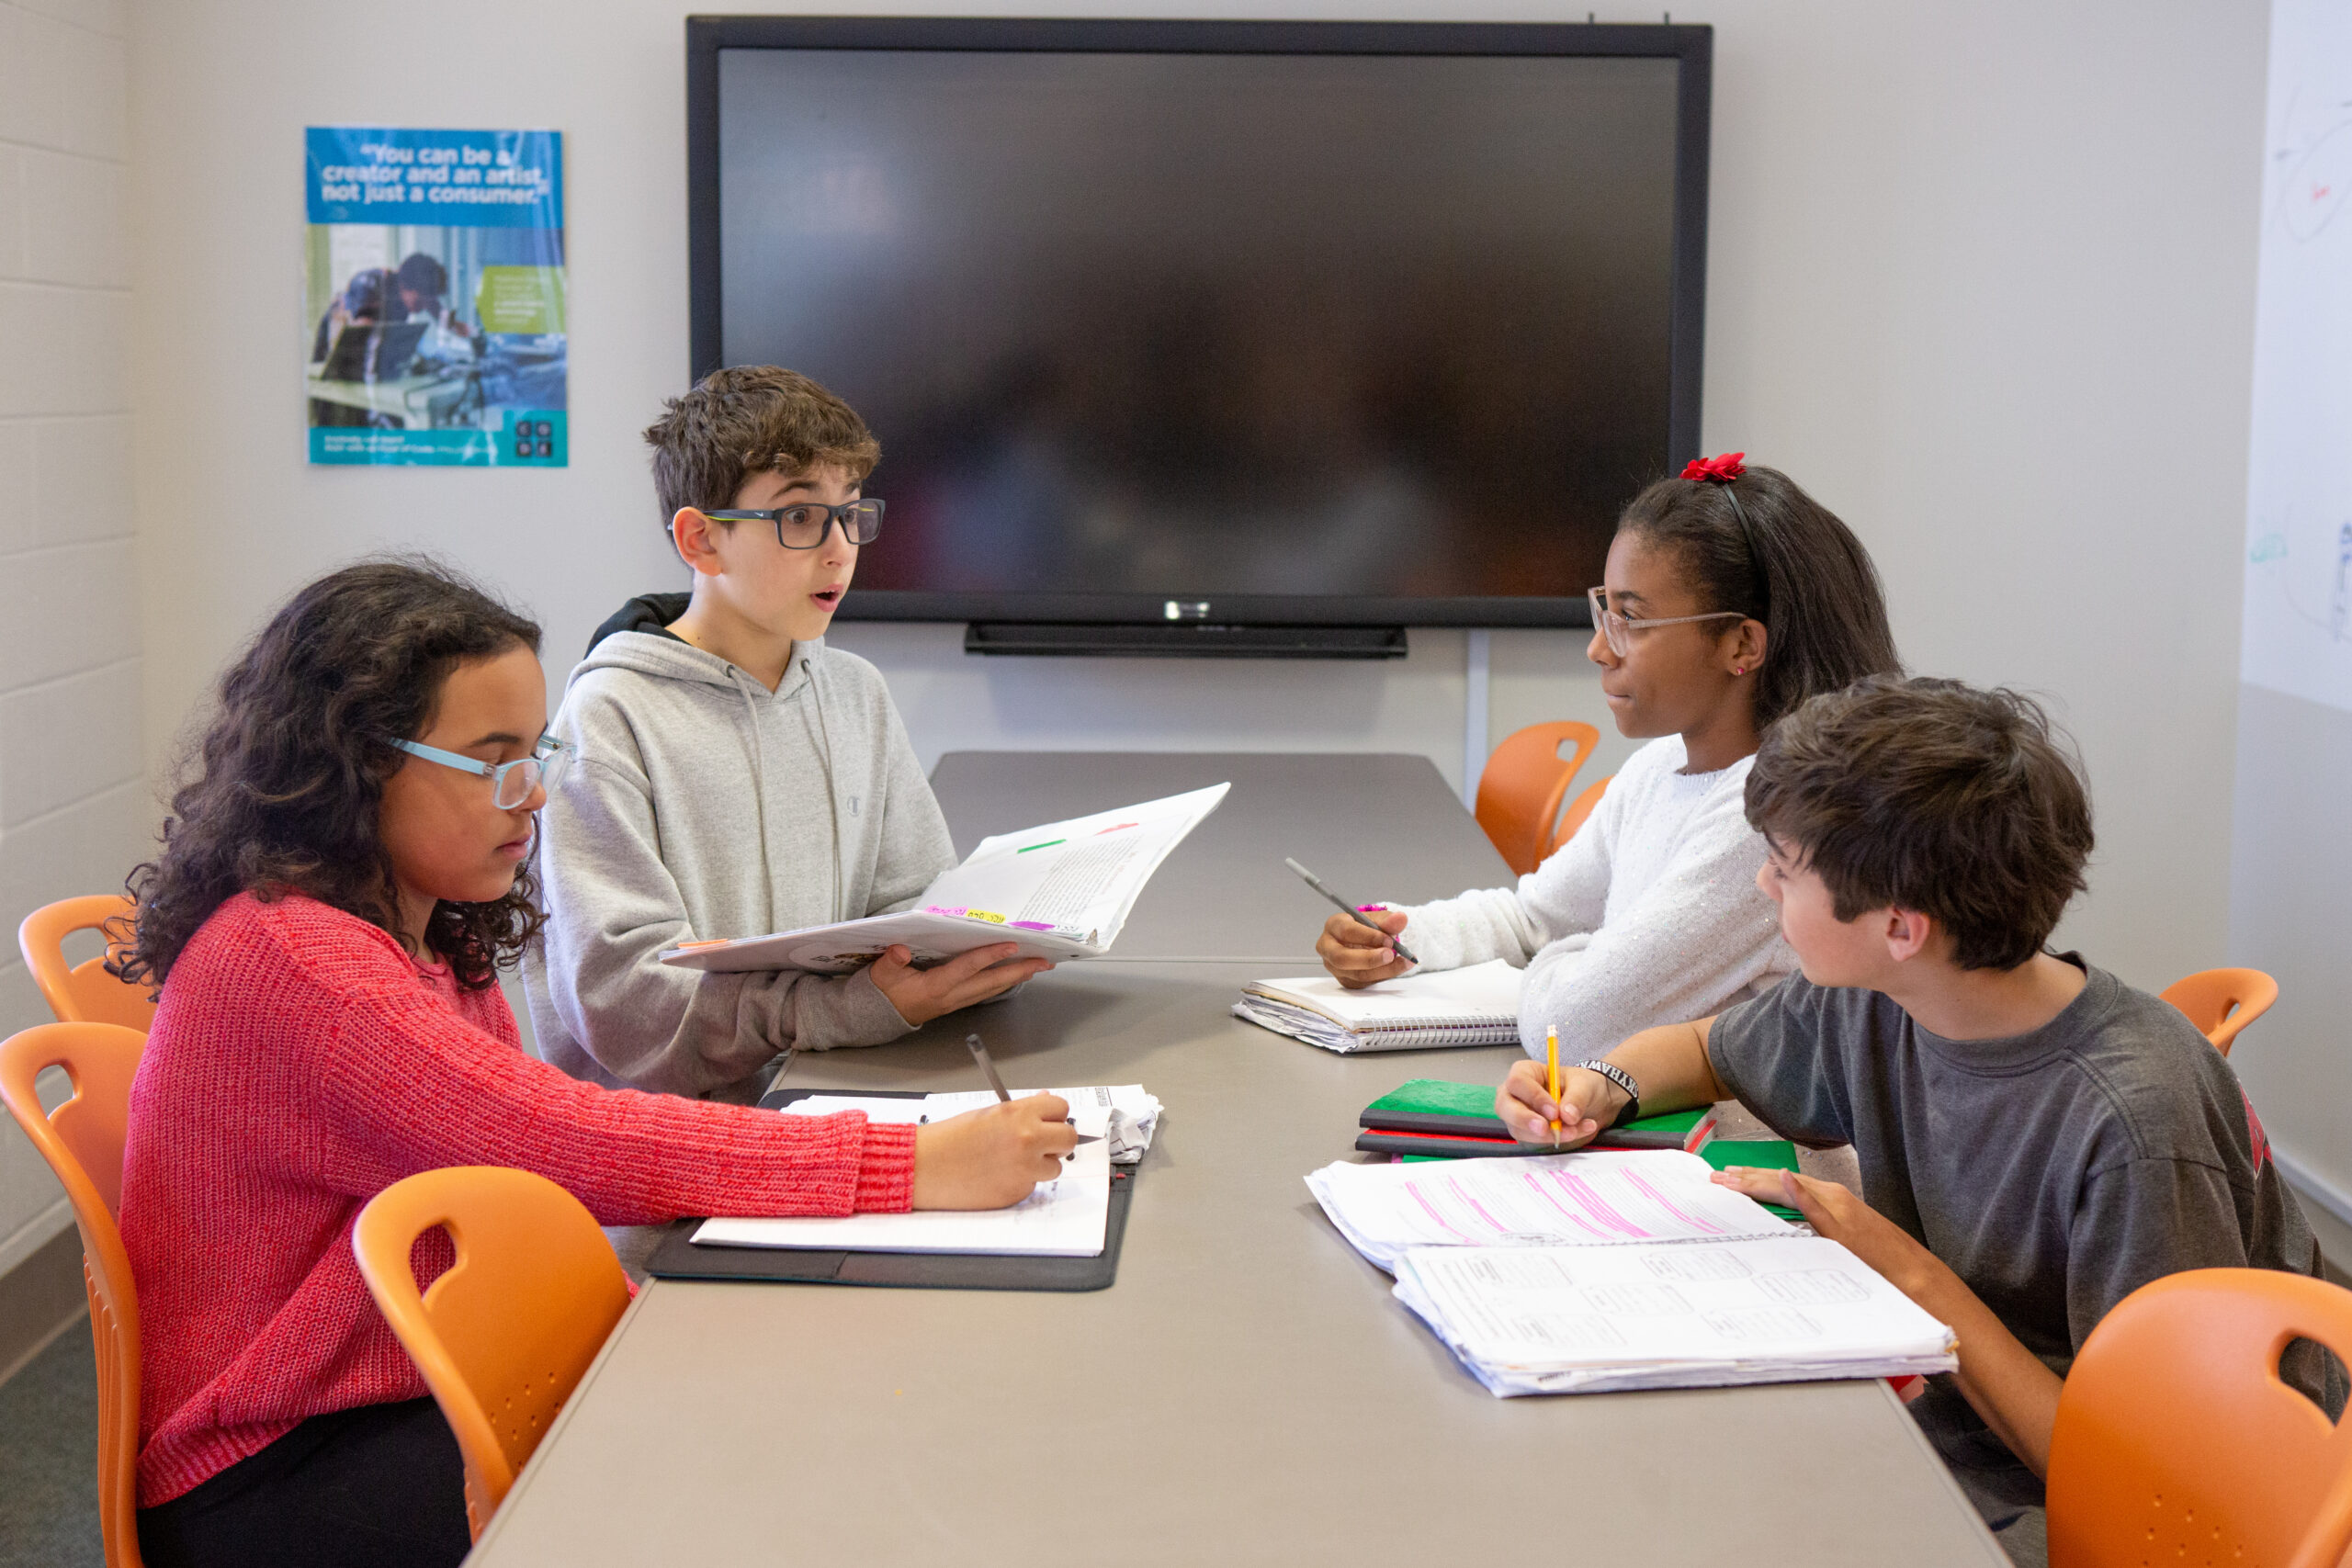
433, 317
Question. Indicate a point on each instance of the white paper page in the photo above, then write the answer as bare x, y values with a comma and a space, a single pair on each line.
1078, 878
853, 944
1594, 1197
1063, 1218
1133, 1114
1801, 1304
1480, 992
876, 1110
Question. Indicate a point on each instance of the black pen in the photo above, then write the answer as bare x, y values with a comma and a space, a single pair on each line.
980, 1055
1347, 908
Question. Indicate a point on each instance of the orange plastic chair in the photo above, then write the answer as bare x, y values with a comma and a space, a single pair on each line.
2176, 1441
2220, 1002
1524, 781
502, 1337
1578, 809
84, 992
82, 1140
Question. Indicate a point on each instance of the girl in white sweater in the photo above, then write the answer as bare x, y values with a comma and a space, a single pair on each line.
1730, 596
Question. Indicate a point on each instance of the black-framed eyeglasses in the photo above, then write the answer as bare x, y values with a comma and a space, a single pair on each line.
803, 524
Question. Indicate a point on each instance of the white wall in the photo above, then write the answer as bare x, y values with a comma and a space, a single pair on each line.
1980, 277
73, 811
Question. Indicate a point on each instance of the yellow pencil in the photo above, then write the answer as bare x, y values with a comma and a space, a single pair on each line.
1552, 1059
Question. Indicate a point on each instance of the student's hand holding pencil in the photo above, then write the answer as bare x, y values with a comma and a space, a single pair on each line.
1358, 955
1588, 1104
992, 1157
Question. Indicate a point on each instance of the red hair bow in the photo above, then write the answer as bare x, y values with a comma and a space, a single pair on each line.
1721, 470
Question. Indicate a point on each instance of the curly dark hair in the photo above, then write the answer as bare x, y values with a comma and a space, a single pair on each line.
281, 794
1927, 795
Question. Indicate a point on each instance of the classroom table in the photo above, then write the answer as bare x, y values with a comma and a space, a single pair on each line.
1247, 1392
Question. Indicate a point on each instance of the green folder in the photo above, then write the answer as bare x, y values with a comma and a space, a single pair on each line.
1426, 1097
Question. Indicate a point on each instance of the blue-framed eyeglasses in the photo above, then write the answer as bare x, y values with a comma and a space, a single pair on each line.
803, 524
510, 783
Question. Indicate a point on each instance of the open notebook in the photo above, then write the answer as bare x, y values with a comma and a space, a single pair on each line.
1476, 1006
1591, 1271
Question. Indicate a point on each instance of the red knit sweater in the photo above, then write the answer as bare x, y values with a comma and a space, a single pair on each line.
299, 1064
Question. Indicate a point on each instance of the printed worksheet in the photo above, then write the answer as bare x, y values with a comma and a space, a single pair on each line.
1133, 1111
1067, 1217
1562, 1319
1587, 1198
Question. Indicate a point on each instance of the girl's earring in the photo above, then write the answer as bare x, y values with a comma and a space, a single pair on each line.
1739, 669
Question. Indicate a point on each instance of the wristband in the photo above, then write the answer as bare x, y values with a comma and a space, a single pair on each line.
1623, 1081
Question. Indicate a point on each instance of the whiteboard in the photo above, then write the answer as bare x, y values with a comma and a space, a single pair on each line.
2298, 620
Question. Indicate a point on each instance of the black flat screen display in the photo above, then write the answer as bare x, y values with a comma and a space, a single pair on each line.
1355, 333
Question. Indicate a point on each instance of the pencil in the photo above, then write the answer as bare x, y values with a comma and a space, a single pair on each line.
1347, 908
1552, 1059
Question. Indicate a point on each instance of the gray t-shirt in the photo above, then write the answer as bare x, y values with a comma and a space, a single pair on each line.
2055, 1172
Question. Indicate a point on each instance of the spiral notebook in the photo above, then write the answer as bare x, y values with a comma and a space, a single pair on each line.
1476, 1006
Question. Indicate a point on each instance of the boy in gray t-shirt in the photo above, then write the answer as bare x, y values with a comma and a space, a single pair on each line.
2037, 1139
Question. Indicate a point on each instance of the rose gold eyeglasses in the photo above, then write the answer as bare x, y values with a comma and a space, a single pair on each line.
1620, 631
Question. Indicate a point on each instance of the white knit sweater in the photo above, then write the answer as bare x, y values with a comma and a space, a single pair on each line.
1649, 915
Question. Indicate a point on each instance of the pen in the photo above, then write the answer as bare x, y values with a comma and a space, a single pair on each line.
1347, 908
980, 1055
1551, 1058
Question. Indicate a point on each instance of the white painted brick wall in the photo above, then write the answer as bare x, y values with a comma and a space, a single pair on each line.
75, 811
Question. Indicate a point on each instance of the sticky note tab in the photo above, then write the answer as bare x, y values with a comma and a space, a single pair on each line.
709, 942
984, 915
1048, 844
1030, 925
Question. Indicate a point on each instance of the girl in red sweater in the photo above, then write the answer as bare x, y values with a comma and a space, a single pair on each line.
339, 882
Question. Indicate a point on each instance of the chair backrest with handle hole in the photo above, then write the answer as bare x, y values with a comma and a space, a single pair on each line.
82, 1140
503, 1335
2177, 1440
84, 992
1522, 784
2220, 1002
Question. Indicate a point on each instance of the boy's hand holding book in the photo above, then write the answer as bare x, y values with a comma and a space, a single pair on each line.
1835, 1212
989, 1158
922, 995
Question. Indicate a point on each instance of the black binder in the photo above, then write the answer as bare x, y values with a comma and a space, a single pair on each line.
677, 1258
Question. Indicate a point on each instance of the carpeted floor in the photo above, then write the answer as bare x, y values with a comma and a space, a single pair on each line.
49, 1448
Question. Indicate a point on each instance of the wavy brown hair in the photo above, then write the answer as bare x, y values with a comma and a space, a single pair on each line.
1963, 804
281, 794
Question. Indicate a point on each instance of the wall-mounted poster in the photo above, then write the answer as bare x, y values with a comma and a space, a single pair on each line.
435, 311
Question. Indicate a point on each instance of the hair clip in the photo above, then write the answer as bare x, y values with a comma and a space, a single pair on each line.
1721, 470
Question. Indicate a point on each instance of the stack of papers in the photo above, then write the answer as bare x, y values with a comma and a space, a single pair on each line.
1593, 1271
1476, 1006
1067, 1217
1060, 891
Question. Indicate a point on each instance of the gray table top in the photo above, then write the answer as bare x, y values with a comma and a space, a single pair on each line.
1246, 1393
1372, 826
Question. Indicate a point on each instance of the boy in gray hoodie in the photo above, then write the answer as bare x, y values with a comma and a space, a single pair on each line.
734, 776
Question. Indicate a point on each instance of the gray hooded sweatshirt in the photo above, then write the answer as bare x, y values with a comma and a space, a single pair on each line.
699, 805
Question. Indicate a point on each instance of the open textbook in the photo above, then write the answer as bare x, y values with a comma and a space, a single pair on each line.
1474, 1006
1591, 1271
1062, 890
1067, 1217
